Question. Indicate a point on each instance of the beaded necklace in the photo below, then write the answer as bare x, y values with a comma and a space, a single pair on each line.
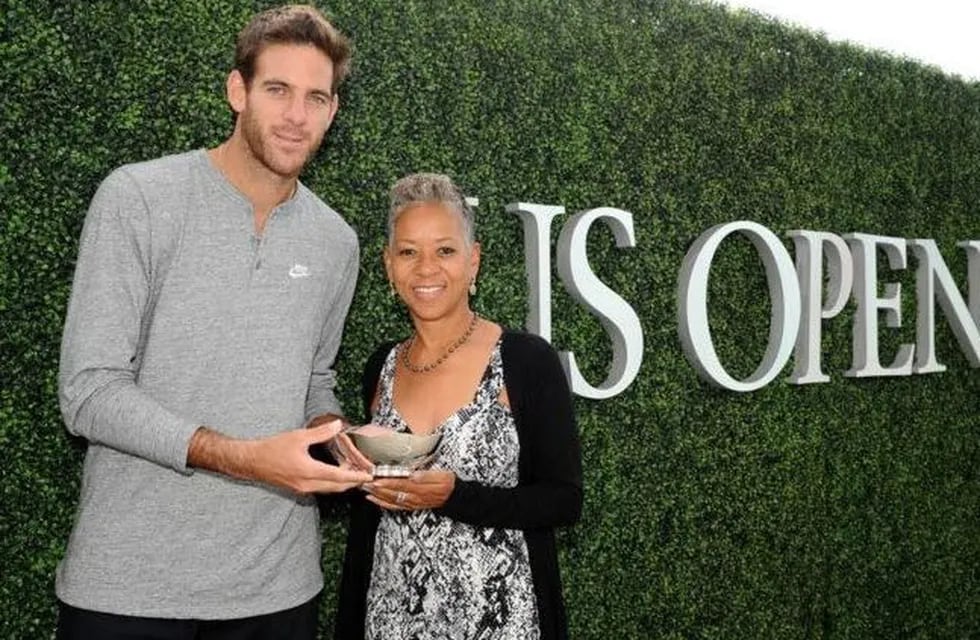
425, 368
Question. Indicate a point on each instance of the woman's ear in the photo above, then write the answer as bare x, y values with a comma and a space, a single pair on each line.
386, 261
475, 260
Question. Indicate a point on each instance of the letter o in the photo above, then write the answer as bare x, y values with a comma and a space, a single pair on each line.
692, 305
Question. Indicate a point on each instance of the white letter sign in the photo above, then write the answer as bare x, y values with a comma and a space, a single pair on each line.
932, 280
692, 299
616, 315
810, 246
865, 359
537, 258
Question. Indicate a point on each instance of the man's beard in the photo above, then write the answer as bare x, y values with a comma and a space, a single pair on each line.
260, 148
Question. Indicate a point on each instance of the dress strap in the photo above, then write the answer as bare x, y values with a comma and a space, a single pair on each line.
493, 379
385, 381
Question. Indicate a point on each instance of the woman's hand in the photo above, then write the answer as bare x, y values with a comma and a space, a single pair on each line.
422, 490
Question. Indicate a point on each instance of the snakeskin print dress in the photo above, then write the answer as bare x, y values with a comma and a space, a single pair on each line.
434, 577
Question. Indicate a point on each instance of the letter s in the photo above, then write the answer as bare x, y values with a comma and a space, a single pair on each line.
617, 317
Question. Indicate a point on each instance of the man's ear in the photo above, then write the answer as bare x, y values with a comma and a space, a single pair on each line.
334, 105
236, 91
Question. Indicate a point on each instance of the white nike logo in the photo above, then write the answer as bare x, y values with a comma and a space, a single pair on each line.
299, 271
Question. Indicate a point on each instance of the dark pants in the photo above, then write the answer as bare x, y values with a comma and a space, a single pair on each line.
298, 623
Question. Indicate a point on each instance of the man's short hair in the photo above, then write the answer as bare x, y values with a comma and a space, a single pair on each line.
292, 24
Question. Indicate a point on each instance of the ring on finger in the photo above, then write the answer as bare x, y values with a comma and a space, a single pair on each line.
400, 497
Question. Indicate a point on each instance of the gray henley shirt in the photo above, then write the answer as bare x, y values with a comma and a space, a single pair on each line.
180, 316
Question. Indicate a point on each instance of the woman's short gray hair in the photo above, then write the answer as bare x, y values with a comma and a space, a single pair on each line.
419, 188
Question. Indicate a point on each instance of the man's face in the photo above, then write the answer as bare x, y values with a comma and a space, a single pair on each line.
288, 106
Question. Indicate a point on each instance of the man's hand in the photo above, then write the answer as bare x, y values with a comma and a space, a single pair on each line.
340, 446
282, 460
422, 490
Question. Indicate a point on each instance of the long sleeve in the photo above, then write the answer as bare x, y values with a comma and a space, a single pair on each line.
100, 350
550, 465
320, 398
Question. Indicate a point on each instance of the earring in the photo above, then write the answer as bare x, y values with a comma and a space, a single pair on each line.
473, 287
391, 289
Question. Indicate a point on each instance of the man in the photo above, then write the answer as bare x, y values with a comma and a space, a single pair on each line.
207, 308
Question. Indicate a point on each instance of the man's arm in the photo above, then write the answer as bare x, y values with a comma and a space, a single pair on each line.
281, 460
321, 403
99, 398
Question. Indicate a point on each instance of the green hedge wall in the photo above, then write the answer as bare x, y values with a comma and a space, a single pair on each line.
841, 510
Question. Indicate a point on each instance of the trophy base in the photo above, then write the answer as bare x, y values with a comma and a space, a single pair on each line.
391, 471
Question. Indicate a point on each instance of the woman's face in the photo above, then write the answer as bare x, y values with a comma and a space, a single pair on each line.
429, 262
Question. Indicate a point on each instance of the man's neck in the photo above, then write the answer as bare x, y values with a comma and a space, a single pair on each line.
263, 188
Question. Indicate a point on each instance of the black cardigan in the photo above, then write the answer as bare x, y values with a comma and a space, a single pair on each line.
548, 494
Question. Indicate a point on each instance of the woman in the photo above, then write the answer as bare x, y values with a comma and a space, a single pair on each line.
464, 549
